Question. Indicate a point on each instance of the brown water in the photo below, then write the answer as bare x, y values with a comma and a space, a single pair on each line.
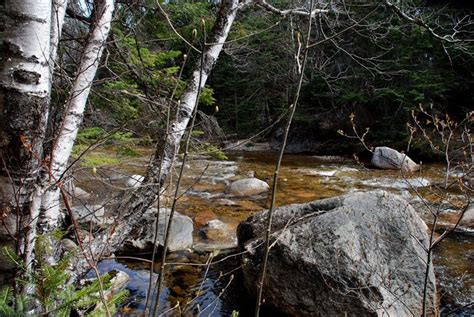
301, 179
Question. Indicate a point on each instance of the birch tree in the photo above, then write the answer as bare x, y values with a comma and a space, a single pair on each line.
137, 202
134, 205
24, 105
30, 178
74, 111
57, 22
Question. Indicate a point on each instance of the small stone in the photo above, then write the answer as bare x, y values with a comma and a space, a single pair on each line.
68, 244
250, 174
181, 231
226, 202
468, 218
84, 235
218, 231
247, 187
134, 181
80, 193
91, 214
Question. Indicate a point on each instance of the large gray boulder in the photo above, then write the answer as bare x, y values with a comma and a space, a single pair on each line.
387, 158
361, 254
181, 232
247, 187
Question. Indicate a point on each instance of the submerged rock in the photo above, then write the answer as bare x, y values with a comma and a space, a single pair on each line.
406, 183
216, 235
387, 158
181, 231
226, 202
360, 254
332, 158
247, 187
69, 245
449, 221
80, 194
468, 218
316, 172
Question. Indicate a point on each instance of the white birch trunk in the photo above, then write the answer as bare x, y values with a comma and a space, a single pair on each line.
227, 14
24, 105
139, 201
57, 20
74, 110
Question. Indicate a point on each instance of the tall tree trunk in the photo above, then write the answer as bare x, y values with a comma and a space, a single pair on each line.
58, 12
74, 111
227, 14
24, 105
137, 202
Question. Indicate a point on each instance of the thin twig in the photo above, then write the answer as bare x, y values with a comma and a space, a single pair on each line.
178, 182
277, 169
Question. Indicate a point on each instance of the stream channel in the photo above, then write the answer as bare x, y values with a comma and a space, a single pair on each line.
302, 179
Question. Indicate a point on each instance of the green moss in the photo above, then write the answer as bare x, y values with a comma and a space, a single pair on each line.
89, 135
197, 133
96, 159
216, 152
122, 137
125, 150
78, 149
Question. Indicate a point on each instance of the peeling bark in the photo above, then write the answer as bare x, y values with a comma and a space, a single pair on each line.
24, 105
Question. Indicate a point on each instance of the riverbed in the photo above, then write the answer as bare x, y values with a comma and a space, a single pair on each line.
301, 179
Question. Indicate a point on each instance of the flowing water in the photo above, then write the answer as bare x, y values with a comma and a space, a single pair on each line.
302, 179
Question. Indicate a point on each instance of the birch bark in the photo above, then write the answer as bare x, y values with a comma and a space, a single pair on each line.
24, 105
75, 105
58, 12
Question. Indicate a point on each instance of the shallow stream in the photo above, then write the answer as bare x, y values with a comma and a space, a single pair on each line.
302, 179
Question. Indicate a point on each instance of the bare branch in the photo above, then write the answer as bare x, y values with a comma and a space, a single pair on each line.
420, 22
287, 12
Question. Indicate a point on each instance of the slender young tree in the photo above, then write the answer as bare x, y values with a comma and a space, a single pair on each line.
74, 111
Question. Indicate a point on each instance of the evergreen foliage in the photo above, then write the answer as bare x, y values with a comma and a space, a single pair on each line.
52, 295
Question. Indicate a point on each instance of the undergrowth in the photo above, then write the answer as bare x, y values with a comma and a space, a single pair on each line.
50, 294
